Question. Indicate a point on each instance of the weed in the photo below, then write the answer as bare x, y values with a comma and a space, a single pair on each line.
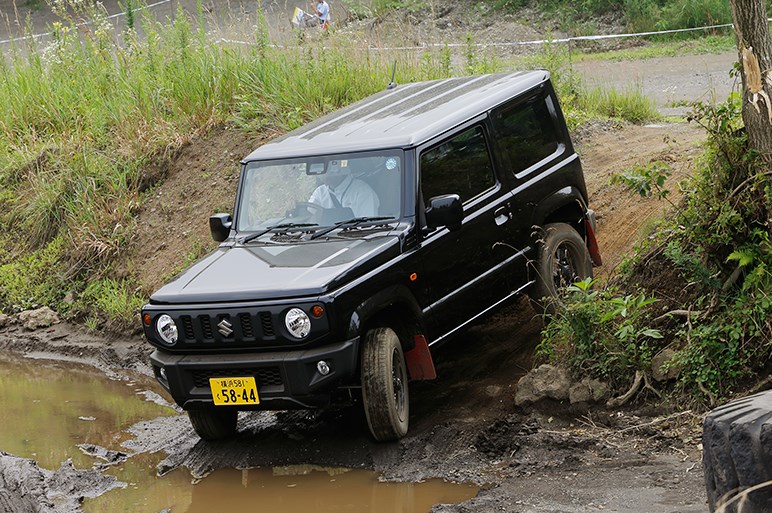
647, 181
118, 300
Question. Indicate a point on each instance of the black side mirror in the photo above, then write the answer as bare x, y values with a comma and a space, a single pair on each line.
445, 210
220, 226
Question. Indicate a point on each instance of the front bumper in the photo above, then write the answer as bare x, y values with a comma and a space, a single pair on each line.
285, 380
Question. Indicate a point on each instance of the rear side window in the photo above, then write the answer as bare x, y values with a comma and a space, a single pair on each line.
526, 133
461, 165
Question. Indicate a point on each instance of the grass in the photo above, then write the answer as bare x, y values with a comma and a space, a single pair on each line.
629, 104
84, 116
652, 50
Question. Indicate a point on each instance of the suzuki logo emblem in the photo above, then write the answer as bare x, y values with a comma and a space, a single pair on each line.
225, 328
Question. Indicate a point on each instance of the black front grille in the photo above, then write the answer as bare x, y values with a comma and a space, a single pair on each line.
246, 325
267, 322
264, 376
206, 326
187, 327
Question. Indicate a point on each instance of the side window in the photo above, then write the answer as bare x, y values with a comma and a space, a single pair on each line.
460, 165
526, 133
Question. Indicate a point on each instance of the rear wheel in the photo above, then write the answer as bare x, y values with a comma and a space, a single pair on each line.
214, 424
384, 385
563, 259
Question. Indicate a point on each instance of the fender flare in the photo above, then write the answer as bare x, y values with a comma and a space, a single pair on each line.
565, 197
392, 295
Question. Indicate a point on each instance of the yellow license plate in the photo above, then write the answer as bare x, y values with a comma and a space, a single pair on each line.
234, 391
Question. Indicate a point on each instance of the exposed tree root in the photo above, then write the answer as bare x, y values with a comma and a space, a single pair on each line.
619, 401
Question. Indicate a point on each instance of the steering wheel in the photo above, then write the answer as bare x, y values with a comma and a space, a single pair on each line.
307, 208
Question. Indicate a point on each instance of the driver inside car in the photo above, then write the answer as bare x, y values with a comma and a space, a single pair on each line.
339, 189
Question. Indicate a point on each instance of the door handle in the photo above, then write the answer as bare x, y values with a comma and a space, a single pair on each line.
501, 215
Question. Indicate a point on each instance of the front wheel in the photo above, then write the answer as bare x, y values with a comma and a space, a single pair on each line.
384, 385
214, 424
563, 259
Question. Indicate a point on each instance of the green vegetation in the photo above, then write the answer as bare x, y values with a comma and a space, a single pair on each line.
601, 334
713, 259
639, 15
646, 180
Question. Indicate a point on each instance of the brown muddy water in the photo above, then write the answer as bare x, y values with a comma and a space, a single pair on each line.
50, 408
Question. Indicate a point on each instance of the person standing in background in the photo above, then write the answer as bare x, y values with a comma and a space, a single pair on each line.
322, 10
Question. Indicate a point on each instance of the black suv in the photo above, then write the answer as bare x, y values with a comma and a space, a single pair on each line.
364, 240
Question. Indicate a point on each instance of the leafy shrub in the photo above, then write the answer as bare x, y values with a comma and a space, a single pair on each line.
601, 334
647, 181
720, 243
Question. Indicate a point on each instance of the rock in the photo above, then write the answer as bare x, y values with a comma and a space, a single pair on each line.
580, 392
542, 382
493, 390
661, 358
40, 318
599, 390
4, 320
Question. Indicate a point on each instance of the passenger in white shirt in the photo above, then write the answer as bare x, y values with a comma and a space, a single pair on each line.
340, 189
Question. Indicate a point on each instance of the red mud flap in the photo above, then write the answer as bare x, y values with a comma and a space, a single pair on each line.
420, 366
592, 243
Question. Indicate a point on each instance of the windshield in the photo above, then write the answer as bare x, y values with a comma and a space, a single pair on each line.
320, 190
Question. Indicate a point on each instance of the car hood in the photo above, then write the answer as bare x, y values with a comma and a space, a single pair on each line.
251, 272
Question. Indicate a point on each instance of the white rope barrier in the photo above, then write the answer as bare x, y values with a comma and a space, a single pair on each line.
440, 45
545, 41
83, 24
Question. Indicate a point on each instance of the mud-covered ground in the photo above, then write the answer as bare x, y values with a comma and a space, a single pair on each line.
464, 426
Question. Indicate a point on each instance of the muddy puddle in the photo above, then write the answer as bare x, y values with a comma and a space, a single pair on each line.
62, 411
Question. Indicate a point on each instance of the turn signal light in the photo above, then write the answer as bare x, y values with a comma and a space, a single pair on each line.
317, 311
146, 319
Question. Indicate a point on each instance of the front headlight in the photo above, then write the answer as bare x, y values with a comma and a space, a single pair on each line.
166, 329
297, 323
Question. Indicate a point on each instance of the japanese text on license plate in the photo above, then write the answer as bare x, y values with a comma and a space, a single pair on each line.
234, 391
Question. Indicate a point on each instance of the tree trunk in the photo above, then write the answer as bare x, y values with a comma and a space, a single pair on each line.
754, 46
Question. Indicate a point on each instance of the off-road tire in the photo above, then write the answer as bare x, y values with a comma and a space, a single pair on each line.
214, 424
737, 454
562, 259
384, 385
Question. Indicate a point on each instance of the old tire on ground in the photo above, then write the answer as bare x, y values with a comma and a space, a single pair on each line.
737, 454
214, 424
562, 259
384, 385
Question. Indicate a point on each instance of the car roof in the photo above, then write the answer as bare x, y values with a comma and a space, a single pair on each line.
405, 116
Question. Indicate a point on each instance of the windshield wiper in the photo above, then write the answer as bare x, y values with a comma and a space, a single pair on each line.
284, 226
349, 223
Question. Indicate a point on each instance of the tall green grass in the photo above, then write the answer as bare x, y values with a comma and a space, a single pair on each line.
629, 104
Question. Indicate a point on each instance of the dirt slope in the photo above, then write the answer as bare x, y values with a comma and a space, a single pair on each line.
624, 218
